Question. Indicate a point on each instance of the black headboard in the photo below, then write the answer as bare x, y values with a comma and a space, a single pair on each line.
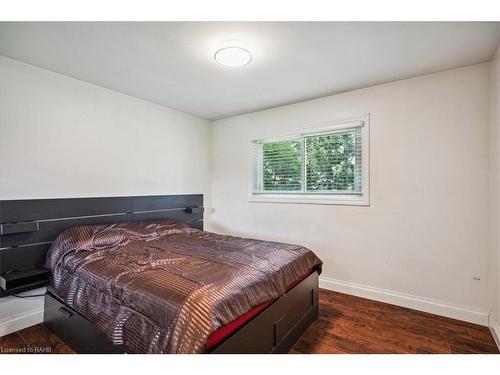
28, 227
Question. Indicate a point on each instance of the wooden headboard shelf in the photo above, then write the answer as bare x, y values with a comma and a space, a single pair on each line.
28, 227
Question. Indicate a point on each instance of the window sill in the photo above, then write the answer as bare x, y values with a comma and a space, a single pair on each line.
344, 200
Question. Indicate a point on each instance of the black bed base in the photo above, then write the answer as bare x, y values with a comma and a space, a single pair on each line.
76, 331
277, 328
274, 330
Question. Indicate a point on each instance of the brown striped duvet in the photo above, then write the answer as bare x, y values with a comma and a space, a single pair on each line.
162, 287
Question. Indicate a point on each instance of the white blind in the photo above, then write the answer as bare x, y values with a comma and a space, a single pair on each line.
328, 162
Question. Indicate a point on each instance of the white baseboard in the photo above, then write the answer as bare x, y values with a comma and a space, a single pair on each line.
468, 314
495, 330
21, 321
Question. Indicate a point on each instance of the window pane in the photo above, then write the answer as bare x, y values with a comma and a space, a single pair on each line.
333, 162
282, 166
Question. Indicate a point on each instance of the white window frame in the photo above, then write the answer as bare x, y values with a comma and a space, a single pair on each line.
358, 199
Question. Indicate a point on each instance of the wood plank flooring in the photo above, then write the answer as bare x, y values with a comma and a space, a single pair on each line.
33, 340
347, 324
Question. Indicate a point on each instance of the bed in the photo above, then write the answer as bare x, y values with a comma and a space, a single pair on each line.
154, 283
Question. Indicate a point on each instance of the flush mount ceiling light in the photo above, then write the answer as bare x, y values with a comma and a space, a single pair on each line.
232, 54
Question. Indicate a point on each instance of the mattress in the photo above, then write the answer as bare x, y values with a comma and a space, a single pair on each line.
162, 287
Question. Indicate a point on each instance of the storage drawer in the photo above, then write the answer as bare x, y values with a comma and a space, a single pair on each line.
76, 331
302, 298
276, 328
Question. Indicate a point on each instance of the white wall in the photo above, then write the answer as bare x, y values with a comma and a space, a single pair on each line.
425, 235
495, 192
60, 137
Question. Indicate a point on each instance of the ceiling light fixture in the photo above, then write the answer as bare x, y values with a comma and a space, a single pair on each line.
233, 53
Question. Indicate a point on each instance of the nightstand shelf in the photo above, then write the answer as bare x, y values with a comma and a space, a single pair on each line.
23, 280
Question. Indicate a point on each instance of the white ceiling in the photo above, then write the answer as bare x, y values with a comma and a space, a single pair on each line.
171, 63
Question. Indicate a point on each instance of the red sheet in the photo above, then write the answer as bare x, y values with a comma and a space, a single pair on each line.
225, 331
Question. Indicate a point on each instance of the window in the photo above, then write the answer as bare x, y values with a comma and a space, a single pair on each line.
327, 165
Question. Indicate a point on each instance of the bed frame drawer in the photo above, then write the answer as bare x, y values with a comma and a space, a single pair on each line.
278, 328
76, 331
302, 300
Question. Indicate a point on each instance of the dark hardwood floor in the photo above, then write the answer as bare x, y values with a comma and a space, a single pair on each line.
33, 340
347, 324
